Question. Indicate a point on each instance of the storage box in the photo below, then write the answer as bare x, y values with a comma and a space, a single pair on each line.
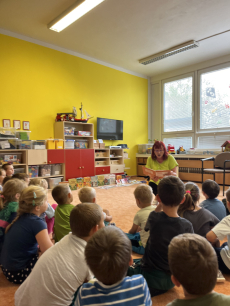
33, 171
102, 145
19, 170
39, 144
24, 135
100, 154
100, 162
44, 170
59, 144
50, 144
56, 169
12, 158
81, 144
54, 181
114, 162
142, 148
9, 132
82, 133
24, 144
8, 144
96, 145
69, 144
69, 130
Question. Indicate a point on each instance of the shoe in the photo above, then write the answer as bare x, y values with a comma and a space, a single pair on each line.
220, 277
112, 224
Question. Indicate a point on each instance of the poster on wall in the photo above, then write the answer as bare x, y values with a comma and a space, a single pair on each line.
17, 124
26, 125
6, 123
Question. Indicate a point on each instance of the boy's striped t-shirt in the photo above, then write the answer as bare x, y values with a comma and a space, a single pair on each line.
130, 291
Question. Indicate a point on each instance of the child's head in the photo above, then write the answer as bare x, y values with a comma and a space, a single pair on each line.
39, 182
193, 263
2, 175
211, 189
6, 179
11, 192
228, 198
143, 195
22, 176
33, 199
108, 255
192, 196
9, 168
85, 219
62, 194
171, 191
87, 195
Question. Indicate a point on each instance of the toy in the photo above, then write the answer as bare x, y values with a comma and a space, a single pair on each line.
72, 116
181, 150
171, 149
226, 145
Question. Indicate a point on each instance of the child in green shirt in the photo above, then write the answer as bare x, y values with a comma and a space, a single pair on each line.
63, 196
193, 264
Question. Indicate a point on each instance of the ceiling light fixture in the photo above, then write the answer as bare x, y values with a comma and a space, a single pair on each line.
169, 52
76, 11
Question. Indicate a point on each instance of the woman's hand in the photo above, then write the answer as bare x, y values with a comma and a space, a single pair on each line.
155, 178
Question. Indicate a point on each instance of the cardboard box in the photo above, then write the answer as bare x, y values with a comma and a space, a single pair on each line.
102, 145
96, 145
100, 163
100, 154
114, 162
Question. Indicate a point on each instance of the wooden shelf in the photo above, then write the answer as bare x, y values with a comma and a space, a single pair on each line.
117, 157
101, 157
41, 177
78, 136
102, 166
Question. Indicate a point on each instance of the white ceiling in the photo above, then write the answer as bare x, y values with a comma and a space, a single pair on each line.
120, 32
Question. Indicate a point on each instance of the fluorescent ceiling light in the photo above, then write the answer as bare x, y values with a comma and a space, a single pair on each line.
169, 52
76, 11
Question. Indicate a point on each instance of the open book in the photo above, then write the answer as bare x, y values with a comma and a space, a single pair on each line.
152, 173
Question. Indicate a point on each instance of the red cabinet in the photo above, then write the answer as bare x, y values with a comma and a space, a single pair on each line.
55, 156
79, 163
102, 170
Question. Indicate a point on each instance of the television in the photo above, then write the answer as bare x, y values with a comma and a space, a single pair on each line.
109, 129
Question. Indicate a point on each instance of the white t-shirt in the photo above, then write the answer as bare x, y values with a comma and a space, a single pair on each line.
56, 275
140, 219
222, 229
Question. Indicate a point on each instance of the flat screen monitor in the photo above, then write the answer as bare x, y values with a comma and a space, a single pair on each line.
109, 129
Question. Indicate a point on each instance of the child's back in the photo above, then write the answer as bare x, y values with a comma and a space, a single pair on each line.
62, 269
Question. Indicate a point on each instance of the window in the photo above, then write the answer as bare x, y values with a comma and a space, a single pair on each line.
178, 98
215, 100
186, 142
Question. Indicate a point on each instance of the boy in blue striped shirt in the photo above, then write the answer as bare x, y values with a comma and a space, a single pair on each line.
108, 255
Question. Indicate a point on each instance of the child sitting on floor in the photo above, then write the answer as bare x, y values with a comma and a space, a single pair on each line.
138, 236
24, 234
219, 232
211, 190
48, 215
88, 195
2, 176
202, 219
62, 269
22, 176
193, 264
63, 196
108, 255
9, 205
9, 168
163, 226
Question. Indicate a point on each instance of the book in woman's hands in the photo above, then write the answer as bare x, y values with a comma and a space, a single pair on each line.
154, 173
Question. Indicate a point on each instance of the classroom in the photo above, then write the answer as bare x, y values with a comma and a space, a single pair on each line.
130, 85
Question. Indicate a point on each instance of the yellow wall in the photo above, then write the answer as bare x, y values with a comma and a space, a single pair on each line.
37, 82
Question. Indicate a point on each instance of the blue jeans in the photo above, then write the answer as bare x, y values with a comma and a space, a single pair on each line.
223, 268
136, 247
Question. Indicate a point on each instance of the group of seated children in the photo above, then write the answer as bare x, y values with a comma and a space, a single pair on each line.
64, 274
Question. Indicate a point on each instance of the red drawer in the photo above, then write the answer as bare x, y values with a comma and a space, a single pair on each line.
102, 170
55, 156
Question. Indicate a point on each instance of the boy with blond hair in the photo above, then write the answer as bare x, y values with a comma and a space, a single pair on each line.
193, 264
163, 224
219, 232
63, 196
108, 255
137, 234
88, 195
62, 269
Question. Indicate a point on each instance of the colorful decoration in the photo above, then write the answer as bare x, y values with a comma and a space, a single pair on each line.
206, 102
226, 105
210, 92
226, 146
214, 110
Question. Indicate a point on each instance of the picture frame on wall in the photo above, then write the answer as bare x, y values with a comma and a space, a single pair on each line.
26, 125
6, 123
17, 124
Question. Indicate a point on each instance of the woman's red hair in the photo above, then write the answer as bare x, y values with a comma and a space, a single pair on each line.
158, 145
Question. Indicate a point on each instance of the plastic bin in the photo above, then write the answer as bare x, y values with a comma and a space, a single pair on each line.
44, 170
81, 144
11, 158
8, 144
82, 133
19, 170
69, 130
9, 132
50, 144
69, 144
24, 144
59, 144
142, 148
56, 169
54, 181
39, 144
33, 171
24, 135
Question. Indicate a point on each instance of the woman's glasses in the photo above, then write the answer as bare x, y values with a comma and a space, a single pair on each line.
158, 151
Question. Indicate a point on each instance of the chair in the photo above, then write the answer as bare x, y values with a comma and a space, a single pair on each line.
221, 165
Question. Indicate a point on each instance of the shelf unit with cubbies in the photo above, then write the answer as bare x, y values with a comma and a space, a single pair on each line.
109, 161
72, 128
